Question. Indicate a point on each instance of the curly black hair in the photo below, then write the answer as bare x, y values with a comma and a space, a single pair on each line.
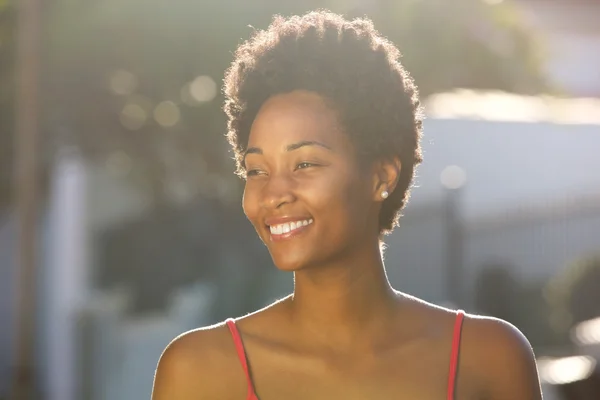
350, 65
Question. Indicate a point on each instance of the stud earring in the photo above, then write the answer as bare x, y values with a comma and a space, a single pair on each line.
384, 194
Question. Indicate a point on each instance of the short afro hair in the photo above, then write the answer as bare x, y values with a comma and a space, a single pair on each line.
353, 68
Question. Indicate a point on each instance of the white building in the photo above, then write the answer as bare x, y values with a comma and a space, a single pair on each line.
532, 191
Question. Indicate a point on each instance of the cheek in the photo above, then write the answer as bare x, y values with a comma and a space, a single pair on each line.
343, 200
250, 204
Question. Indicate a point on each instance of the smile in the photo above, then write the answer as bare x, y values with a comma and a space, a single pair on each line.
289, 227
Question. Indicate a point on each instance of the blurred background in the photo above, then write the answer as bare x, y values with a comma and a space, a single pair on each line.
120, 216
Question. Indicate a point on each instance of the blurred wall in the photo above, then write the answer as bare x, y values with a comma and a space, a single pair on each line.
509, 164
531, 199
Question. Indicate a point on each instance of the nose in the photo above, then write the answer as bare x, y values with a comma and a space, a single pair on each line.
277, 192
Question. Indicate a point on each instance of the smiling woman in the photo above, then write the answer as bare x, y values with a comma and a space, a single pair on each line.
325, 124
306, 170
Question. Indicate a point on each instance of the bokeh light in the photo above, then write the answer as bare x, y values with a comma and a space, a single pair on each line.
560, 371
453, 177
167, 114
123, 82
203, 89
133, 116
587, 332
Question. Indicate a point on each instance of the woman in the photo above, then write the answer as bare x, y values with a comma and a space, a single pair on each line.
325, 126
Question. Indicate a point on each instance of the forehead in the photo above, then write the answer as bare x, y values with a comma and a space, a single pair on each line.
293, 117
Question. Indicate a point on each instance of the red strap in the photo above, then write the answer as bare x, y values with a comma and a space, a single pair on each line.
239, 347
455, 351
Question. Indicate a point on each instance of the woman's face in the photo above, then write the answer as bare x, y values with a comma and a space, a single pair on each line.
305, 193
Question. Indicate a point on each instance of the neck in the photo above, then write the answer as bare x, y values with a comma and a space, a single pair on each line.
344, 301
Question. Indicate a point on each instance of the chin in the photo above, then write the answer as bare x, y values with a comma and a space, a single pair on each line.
290, 262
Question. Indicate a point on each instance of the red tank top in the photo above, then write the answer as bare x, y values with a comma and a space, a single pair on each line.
239, 346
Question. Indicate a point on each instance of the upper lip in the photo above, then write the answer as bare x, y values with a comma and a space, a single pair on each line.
271, 221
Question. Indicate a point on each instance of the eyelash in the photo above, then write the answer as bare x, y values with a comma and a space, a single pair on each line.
309, 164
255, 172
252, 172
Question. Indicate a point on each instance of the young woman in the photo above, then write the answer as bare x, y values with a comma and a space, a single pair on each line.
325, 125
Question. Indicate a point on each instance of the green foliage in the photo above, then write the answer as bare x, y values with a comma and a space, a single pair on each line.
532, 317
446, 44
464, 44
545, 311
573, 295
500, 294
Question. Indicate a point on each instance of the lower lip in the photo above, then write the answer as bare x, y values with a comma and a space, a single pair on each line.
289, 235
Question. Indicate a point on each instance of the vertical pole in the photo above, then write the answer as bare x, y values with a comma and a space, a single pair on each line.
26, 186
454, 247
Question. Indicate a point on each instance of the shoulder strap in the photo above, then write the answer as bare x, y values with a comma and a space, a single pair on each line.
239, 347
455, 353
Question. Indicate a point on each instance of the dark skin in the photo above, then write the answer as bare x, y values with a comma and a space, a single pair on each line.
344, 333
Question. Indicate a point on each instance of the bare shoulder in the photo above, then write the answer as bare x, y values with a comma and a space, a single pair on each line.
496, 360
200, 364
502, 356
203, 363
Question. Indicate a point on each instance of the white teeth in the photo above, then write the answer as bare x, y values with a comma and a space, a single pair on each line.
289, 227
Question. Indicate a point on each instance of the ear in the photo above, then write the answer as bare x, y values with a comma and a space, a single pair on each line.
386, 173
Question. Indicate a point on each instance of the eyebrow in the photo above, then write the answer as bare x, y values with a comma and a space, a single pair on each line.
291, 147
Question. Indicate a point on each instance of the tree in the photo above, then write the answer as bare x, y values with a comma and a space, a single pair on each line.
161, 46
465, 44
496, 291
118, 74
573, 294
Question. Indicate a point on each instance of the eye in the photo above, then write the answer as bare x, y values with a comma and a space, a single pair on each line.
304, 165
253, 172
